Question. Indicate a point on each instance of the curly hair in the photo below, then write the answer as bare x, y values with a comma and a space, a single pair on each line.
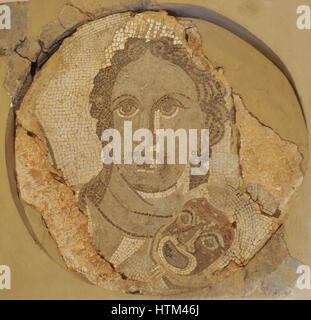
210, 90
210, 93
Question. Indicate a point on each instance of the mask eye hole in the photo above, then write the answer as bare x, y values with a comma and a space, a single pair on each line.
212, 241
186, 218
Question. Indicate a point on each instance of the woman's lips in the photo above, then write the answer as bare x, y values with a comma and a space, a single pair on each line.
146, 167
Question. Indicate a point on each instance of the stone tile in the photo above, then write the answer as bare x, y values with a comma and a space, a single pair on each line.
51, 35
18, 72
71, 17
29, 49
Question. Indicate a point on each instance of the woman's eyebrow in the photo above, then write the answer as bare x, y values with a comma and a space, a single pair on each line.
172, 94
182, 95
122, 96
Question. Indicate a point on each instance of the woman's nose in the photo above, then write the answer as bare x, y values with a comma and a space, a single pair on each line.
144, 120
150, 119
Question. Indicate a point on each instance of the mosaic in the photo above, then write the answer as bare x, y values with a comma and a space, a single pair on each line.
157, 225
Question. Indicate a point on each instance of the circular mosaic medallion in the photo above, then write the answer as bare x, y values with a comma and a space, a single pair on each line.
165, 227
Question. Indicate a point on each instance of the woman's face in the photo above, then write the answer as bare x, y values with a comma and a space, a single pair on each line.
155, 94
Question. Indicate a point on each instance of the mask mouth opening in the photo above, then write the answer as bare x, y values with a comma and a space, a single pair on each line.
174, 257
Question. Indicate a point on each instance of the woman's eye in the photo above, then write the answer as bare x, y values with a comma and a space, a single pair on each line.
169, 107
127, 108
